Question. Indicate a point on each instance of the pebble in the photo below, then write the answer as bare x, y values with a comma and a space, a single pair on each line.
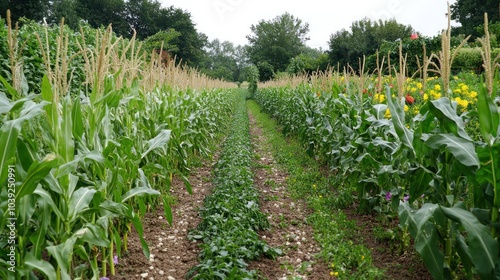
161, 272
151, 268
144, 275
170, 278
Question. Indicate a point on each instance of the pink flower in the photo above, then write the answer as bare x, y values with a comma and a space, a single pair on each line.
115, 259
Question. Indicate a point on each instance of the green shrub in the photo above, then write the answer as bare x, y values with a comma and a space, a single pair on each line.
253, 79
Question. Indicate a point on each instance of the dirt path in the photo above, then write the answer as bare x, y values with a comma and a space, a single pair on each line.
287, 216
172, 254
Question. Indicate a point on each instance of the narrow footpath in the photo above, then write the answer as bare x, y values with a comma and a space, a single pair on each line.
288, 218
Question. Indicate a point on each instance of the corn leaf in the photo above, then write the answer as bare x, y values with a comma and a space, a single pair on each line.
161, 139
488, 116
426, 244
46, 268
462, 149
483, 248
398, 120
448, 117
139, 191
80, 201
10, 131
37, 172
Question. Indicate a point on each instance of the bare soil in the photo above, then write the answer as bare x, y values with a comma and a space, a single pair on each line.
172, 254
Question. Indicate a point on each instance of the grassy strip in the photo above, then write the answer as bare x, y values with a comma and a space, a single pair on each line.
231, 214
334, 232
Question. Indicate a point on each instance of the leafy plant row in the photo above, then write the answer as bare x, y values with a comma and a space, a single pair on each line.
426, 169
85, 169
231, 214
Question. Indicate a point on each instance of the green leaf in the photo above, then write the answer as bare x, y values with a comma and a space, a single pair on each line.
37, 172
140, 230
65, 141
167, 209
10, 131
426, 244
483, 248
79, 201
462, 149
161, 139
448, 118
488, 116
398, 120
139, 191
13, 92
419, 180
46, 268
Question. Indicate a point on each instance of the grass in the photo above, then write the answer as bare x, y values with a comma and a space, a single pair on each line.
333, 231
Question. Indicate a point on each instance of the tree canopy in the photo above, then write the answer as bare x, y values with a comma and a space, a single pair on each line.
470, 14
364, 38
273, 43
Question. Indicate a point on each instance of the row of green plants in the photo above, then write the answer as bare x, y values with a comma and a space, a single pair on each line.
341, 244
231, 214
86, 168
427, 169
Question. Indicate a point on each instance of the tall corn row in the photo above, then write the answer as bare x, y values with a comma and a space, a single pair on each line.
87, 167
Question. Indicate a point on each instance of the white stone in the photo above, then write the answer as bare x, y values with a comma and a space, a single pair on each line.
144, 275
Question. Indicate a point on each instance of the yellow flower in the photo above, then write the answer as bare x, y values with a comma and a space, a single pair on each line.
335, 274
362, 257
379, 97
473, 94
387, 114
426, 97
465, 87
407, 108
437, 87
314, 186
419, 85
333, 265
413, 89
331, 273
435, 94
455, 77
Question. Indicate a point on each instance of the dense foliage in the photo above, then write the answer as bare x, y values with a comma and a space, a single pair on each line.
430, 157
273, 43
470, 15
364, 38
144, 17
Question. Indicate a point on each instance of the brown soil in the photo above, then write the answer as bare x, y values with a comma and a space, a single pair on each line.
172, 254
406, 265
287, 217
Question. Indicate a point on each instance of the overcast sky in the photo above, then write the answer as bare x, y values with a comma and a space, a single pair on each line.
230, 20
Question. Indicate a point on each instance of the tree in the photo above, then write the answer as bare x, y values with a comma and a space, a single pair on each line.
64, 9
470, 14
273, 43
31, 9
191, 42
101, 13
364, 38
